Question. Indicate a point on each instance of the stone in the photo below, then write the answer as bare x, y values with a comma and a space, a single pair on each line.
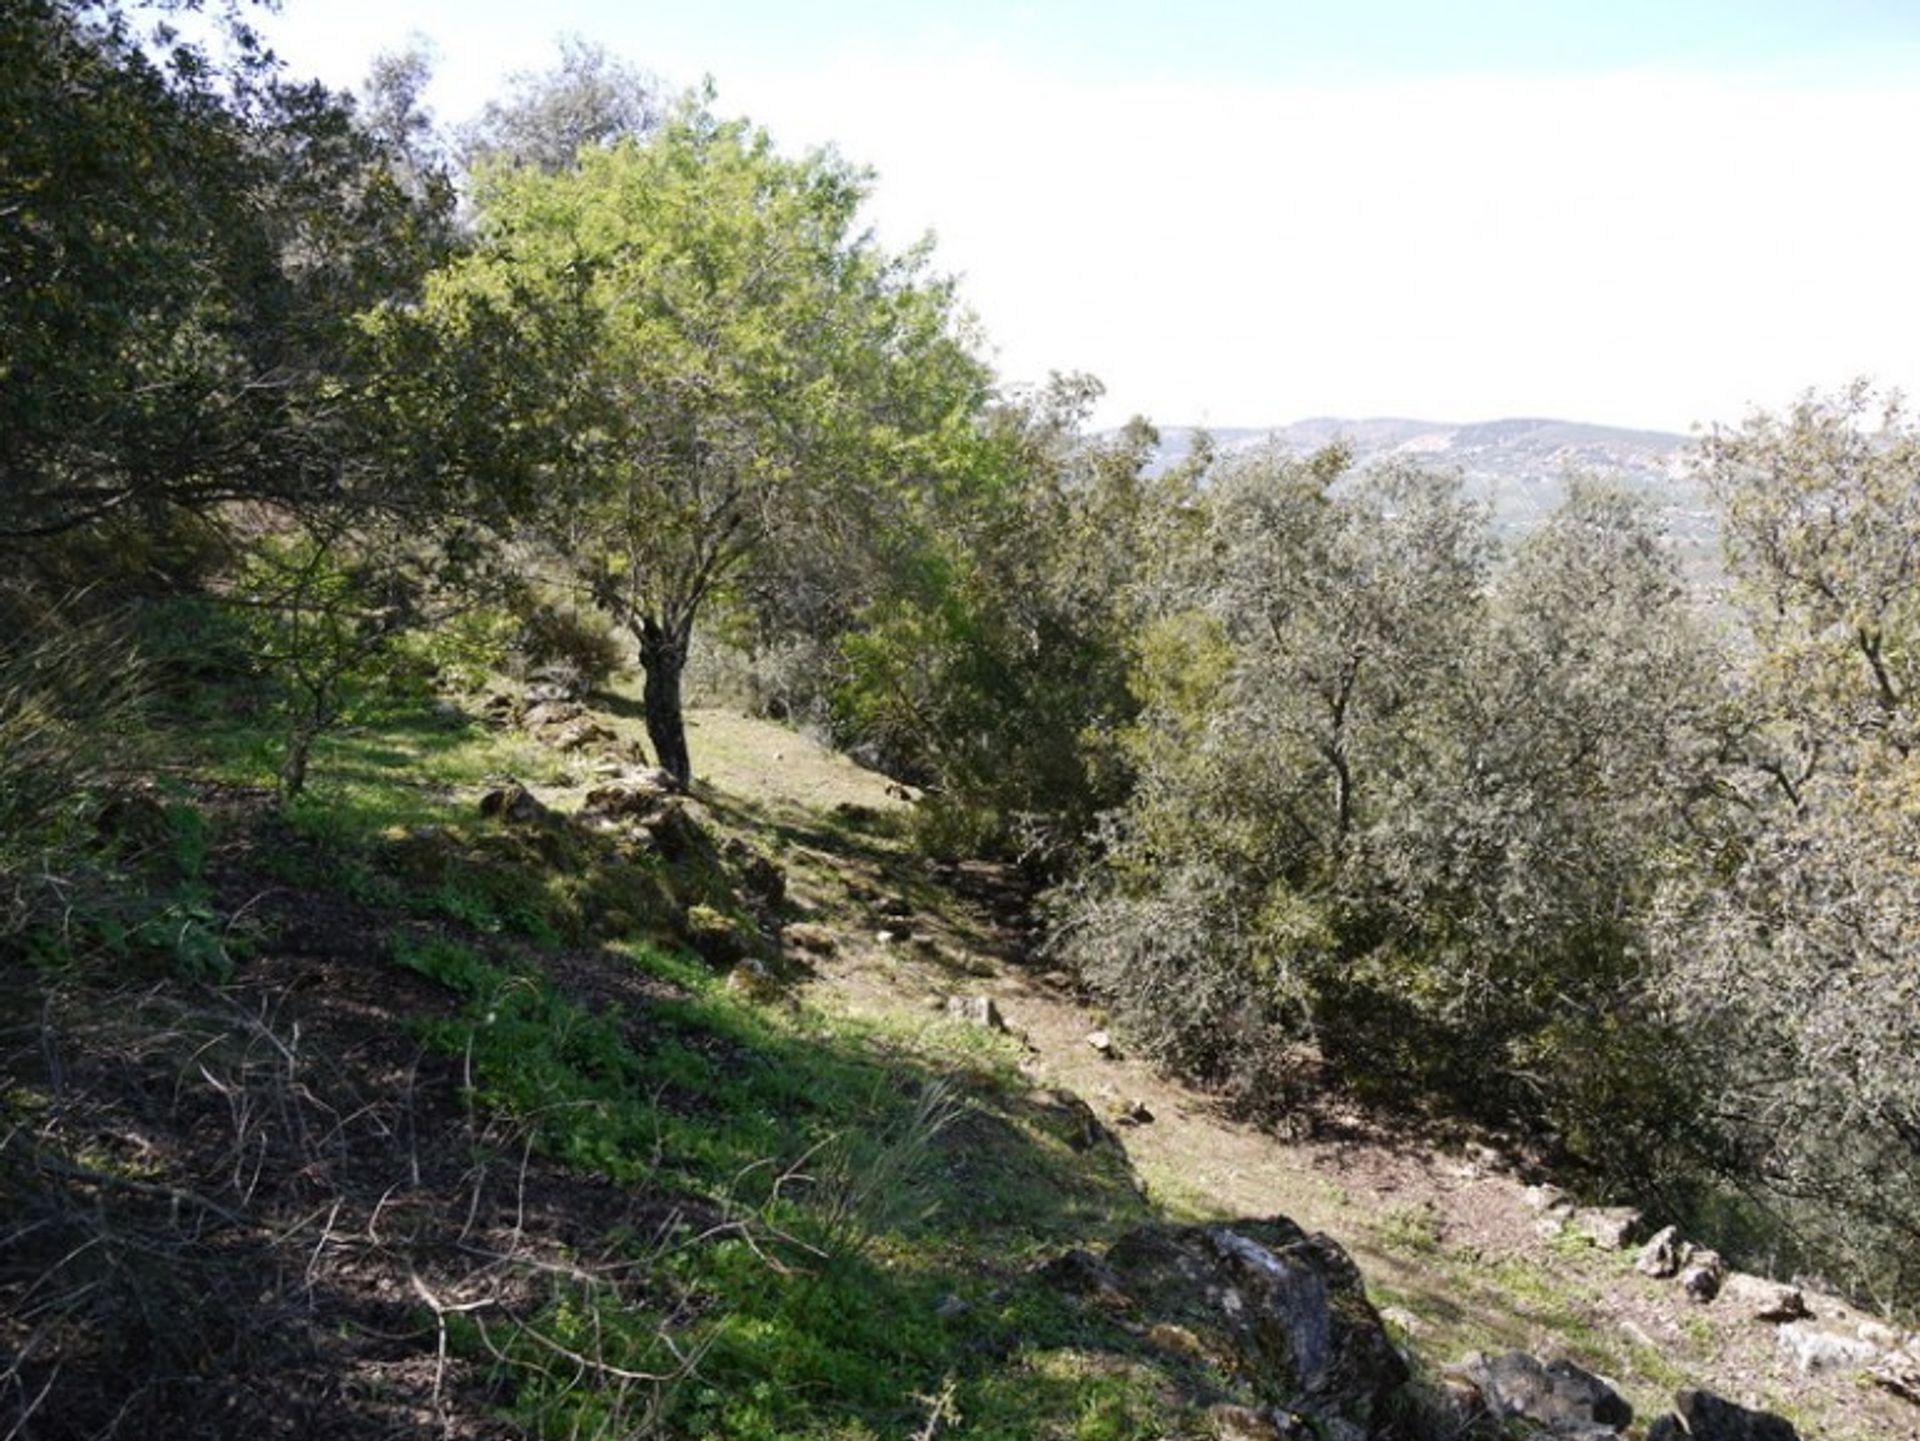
1566, 1399
752, 979
1899, 1375
1876, 1333
1243, 1423
1701, 1276
578, 735
1101, 1042
810, 937
631, 798
675, 834
1703, 1416
1812, 1350
717, 939
1132, 1113
1612, 1228
1757, 1299
1663, 1255
550, 713
517, 805
1547, 1198
761, 880
1282, 1309
950, 1307
976, 1011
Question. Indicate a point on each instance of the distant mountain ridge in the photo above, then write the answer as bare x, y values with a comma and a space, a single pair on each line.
1519, 466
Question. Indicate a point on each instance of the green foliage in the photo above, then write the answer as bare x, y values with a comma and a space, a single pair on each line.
187, 237
321, 623
993, 662
697, 343
1793, 950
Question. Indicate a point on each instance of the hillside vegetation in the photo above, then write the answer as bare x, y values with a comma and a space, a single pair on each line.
453, 979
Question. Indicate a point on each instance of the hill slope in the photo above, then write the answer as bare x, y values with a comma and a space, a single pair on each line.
609, 1114
1519, 467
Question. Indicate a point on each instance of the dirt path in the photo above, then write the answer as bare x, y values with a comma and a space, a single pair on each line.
1451, 1244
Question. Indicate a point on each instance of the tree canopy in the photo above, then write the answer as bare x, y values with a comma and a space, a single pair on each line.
694, 345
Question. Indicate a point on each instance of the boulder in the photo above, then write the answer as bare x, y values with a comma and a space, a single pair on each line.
677, 835
1898, 1374
633, 797
806, 936
1702, 1274
578, 735
717, 939
761, 881
1755, 1298
1663, 1255
1703, 1416
1612, 1228
517, 805
1284, 1311
550, 713
975, 1011
1812, 1350
1558, 1395
754, 981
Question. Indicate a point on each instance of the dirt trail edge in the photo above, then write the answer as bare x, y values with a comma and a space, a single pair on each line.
1456, 1249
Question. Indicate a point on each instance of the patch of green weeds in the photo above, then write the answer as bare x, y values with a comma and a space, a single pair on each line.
1412, 1229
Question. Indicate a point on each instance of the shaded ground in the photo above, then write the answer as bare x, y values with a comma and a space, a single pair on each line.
1446, 1239
280, 1203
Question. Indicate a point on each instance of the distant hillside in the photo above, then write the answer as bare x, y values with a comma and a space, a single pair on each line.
1519, 467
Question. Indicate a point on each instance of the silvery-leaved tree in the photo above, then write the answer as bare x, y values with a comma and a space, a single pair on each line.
1801, 950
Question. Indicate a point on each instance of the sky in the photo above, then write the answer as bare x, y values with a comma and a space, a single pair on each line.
1656, 213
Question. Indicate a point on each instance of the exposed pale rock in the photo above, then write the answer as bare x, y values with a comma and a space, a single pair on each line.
1812, 1350
1101, 1042
1566, 1399
1898, 1374
976, 1011
1287, 1311
811, 937
1663, 1255
1758, 1299
1612, 1228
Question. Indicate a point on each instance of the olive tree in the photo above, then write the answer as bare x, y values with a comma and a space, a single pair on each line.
1798, 952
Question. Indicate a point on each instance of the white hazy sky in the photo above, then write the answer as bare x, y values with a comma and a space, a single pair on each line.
1652, 212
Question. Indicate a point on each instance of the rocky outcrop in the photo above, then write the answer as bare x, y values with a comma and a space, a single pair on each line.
1555, 1396
1702, 1416
1282, 1312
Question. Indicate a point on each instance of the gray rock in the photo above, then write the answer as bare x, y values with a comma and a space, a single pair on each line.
1757, 1299
811, 937
1101, 1042
517, 805
1289, 1309
1663, 1255
1703, 1416
1613, 1228
1898, 1374
1564, 1398
1812, 1350
631, 798
975, 1010
1700, 1278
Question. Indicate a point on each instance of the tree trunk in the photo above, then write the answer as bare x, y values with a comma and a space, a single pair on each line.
663, 656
